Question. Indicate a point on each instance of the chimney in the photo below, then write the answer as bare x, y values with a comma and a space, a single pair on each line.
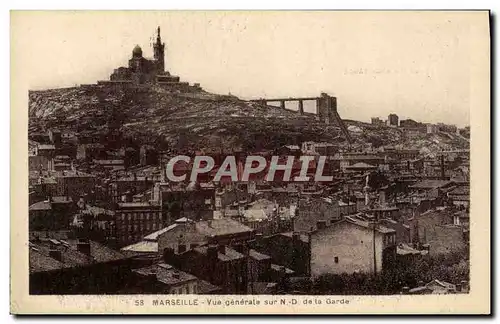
169, 255
321, 224
382, 197
458, 287
245, 249
221, 248
442, 167
83, 246
465, 286
176, 275
55, 254
405, 291
212, 253
151, 277
259, 238
182, 248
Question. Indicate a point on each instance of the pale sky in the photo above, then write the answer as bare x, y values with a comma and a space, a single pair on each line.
416, 65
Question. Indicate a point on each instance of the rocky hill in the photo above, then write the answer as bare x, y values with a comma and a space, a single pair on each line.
201, 120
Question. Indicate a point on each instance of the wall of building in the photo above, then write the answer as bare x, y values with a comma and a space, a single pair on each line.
190, 287
182, 235
133, 224
351, 244
310, 213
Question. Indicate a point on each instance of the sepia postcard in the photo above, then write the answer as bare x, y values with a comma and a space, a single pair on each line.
250, 162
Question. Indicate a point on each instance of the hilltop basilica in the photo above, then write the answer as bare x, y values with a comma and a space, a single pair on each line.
141, 70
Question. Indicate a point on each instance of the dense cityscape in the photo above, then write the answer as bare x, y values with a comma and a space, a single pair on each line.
105, 218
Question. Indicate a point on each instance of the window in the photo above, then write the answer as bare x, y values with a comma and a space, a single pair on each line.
336, 259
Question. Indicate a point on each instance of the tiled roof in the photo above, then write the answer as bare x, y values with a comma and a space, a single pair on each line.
41, 205
108, 162
431, 184
276, 267
142, 247
379, 228
166, 274
228, 255
258, 256
46, 147
140, 204
40, 262
70, 256
154, 236
361, 165
405, 249
218, 227
205, 287
303, 237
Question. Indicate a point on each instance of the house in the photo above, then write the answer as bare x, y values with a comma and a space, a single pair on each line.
163, 278
347, 159
48, 150
436, 228
404, 233
401, 154
324, 149
40, 163
432, 129
361, 167
315, 209
149, 155
54, 213
90, 151
439, 287
290, 250
134, 220
380, 212
460, 196
194, 200
218, 264
185, 234
461, 218
62, 266
351, 246
74, 183
109, 165
128, 184
425, 185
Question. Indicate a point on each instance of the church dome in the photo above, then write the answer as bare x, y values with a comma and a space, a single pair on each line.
137, 51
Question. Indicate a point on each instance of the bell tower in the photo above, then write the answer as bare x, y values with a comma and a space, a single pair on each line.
159, 53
